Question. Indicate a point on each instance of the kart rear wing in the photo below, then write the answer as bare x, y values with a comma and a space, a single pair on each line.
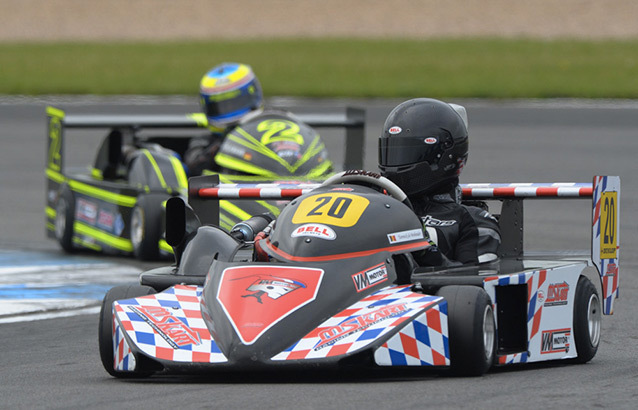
604, 192
351, 119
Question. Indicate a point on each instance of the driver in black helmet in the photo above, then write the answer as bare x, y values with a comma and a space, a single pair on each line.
423, 149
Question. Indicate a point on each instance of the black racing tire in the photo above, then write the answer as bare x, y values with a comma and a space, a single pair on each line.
587, 320
146, 226
472, 330
65, 218
105, 331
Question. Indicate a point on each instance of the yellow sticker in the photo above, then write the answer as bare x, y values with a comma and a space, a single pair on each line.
338, 209
608, 225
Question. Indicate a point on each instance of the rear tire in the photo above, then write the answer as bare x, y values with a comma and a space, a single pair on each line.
587, 320
146, 226
64, 219
472, 331
105, 331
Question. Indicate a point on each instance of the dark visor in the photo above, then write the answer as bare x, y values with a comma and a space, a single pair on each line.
396, 151
221, 108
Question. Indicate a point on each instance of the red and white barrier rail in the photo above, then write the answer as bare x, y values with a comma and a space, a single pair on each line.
470, 191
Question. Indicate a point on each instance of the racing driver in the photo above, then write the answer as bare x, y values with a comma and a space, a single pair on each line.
423, 149
229, 93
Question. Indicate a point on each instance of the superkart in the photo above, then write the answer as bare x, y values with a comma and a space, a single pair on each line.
325, 286
116, 206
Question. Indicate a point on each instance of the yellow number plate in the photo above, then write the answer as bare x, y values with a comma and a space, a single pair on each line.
608, 225
338, 209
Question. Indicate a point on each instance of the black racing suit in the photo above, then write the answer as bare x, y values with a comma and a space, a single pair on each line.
201, 152
462, 234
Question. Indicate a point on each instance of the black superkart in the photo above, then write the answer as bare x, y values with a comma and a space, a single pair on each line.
117, 205
330, 283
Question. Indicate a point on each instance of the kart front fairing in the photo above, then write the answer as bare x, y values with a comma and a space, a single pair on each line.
329, 293
254, 315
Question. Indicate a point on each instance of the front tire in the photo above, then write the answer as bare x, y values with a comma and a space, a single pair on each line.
64, 219
472, 331
146, 226
587, 320
105, 331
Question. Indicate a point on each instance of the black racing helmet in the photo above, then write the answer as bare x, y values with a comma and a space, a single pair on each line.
424, 145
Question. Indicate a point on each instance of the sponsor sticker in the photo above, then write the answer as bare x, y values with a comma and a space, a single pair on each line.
105, 220
557, 294
405, 236
540, 296
315, 231
332, 335
86, 211
430, 221
430, 140
370, 277
612, 269
176, 333
395, 130
555, 341
362, 172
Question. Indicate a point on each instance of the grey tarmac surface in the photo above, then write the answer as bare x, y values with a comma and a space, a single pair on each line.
55, 363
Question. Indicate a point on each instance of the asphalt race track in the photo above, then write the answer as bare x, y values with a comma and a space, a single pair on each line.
54, 362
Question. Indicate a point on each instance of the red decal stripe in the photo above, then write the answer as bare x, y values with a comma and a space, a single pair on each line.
409, 247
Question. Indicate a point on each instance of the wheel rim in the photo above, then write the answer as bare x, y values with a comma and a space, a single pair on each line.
594, 319
60, 218
137, 227
489, 330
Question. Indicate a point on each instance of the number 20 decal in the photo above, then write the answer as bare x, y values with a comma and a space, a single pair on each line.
609, 225
338, 209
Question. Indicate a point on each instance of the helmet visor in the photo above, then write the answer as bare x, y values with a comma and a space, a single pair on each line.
219, 108
397, 151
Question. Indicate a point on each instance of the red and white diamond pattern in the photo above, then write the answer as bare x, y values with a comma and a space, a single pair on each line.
183, 303
415, 349
398, 299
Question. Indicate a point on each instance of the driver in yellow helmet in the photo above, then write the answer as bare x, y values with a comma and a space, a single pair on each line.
229, 92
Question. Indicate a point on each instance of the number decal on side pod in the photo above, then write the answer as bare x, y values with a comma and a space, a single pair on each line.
338, 209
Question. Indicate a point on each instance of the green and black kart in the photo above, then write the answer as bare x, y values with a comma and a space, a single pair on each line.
117, 205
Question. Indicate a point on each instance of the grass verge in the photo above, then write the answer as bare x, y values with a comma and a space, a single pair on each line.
441, 68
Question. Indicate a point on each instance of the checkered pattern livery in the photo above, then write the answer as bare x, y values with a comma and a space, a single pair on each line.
124, 359
608, 267
186, 340
533, 280
361, 324
513, 358
422, 342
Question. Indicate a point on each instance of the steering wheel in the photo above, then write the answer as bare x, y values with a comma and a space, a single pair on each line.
360, 177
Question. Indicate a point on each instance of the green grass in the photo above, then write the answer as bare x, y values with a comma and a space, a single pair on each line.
442, 68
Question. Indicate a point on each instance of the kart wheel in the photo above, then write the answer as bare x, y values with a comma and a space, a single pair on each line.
105, 331
587, 320
472, 329
64, 219
146, 226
